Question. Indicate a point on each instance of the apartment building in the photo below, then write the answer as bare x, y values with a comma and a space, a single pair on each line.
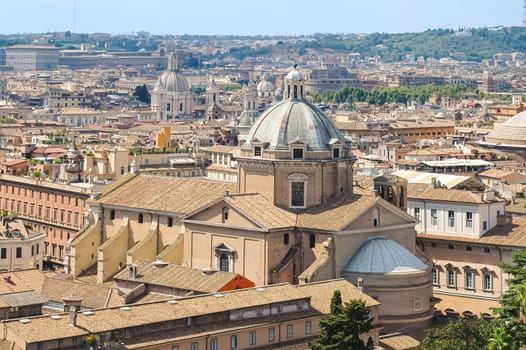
55, 210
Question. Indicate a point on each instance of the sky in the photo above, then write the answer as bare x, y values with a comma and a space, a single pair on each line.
253, 17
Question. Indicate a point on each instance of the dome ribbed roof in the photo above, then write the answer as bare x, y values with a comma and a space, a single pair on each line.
383, 255
295, 120
513, 130
171, 80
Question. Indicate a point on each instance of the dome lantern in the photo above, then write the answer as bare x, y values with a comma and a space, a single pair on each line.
294, 82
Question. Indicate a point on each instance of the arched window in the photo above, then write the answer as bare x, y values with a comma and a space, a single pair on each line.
286, 239
224, 263
295, 91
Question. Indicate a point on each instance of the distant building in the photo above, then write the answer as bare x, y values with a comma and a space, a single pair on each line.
171, 97
32, 57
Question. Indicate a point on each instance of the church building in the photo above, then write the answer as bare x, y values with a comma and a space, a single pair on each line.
295, 215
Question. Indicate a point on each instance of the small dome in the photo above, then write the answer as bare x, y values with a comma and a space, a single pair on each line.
293, 120
383, 255
265, 86
171, 80
295, 75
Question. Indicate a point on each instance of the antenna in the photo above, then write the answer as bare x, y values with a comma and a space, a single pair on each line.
74, 15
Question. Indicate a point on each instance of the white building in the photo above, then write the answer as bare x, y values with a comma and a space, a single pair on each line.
453, 212
20, 247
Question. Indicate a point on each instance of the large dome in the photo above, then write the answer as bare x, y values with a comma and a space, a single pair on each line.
382, 255
511, 132
295, 120
171, 80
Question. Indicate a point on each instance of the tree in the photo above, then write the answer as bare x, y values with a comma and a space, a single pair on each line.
465, 334
341, 329
142, 94
510, 301
499, 339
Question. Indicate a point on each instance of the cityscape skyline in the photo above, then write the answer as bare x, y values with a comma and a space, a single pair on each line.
254, 18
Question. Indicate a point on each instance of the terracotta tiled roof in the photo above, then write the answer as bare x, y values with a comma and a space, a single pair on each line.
262, 211
495, 173
335, 215
422, 191
179, 277
93, 296
22, 280
44, 328
169, 194
511, 235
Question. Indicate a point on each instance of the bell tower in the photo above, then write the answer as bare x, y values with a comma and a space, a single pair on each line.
393, 189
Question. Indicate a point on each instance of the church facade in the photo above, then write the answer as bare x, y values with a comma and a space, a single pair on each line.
295, 215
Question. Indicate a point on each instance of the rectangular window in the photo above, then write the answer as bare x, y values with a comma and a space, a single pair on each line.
290, 331
451, 218
336, 153
175, 347
487, 286
417, 213
18, 252
3, 253
257, 151
297, 194
436, 280
434, 217
469, 219
451, 278
194, 346
308, 327
271, 335
484, 225
213, 344
297, 153
312, 241
233, 341
469, 280
252, 338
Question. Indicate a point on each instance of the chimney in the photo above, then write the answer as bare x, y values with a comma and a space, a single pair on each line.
72, 305
132, 271
488, 195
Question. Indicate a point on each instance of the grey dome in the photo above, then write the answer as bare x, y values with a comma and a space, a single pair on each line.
383, 255
510, 132
171, 80
265, 86
295, 120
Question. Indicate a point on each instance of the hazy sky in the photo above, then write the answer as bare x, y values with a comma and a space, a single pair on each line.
254, 16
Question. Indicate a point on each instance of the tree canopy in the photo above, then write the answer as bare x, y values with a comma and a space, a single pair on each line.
142, 94
341, 329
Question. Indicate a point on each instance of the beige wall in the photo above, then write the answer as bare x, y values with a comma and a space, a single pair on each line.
460, 298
